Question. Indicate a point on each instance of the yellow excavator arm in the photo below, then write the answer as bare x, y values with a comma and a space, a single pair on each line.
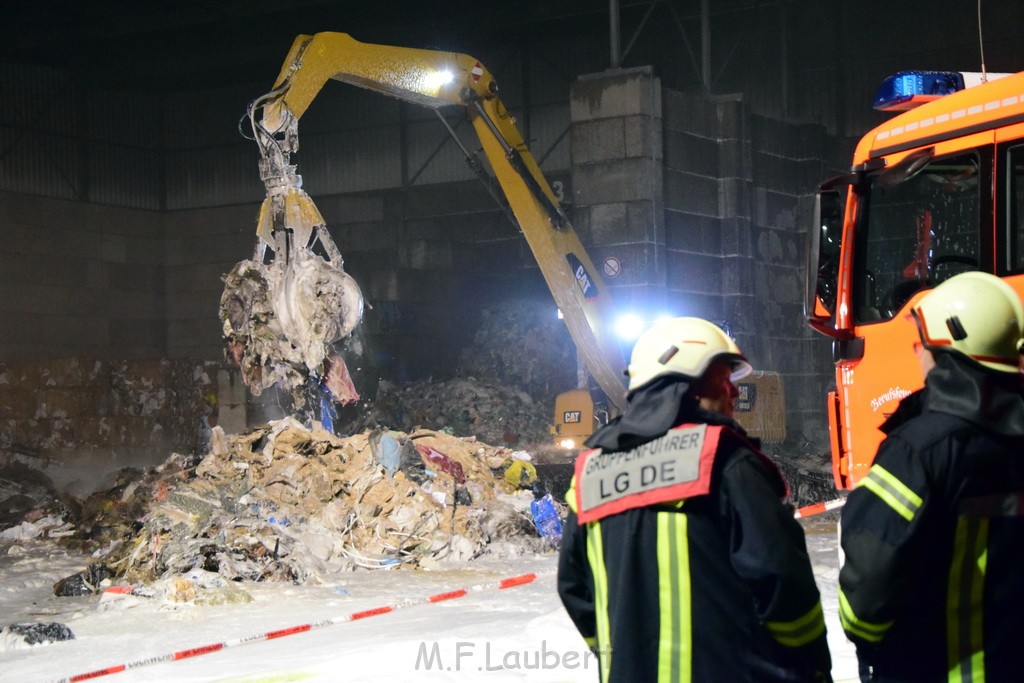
438, 79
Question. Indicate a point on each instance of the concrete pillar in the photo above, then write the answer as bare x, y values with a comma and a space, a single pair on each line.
617, 181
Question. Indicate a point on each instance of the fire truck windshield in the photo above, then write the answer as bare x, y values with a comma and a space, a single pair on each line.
915, 229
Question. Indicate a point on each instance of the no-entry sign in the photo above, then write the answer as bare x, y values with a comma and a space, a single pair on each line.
611, 266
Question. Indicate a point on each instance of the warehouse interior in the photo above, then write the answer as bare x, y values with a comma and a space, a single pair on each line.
163, 502
128, 189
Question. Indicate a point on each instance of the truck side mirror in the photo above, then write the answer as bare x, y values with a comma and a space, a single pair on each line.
824, 241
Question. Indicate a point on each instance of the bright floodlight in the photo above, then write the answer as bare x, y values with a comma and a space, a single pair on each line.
568, 444
629, 326
435, 79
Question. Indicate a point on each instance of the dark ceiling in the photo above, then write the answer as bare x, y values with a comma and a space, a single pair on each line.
194, 44
766, 49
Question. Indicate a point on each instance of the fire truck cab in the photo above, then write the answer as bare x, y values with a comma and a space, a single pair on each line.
933, 192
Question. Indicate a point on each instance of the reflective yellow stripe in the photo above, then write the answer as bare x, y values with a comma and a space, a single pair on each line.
685, 599
675, 636
865, 630
595, 556
894, 492
667, 599
570, 495
800, 631
965, 601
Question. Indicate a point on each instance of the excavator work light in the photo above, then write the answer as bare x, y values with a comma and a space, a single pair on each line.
436, 79
629, 326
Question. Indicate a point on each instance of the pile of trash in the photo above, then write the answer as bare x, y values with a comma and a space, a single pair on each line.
522, 344
288, 503
518, 360
809, 476
28, 501
494, 413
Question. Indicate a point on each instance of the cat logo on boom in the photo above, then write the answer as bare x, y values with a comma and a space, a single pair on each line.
572, 417
583, 278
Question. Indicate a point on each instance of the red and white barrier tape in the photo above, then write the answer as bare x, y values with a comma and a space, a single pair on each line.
806, 511
818, 508
512, 582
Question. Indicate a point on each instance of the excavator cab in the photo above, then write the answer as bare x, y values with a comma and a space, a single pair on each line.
575, 418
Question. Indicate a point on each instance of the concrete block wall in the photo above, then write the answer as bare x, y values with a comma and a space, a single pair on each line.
427, 257
201, 246
737, 189
696, 197
617, 180
787, 163
80, 279
707, 220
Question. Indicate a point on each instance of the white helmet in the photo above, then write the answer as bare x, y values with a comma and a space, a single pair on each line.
976, 314
685, 347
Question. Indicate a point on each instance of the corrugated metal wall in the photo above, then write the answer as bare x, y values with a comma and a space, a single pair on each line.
123, 176
186, 151
212, 176
350, 160
37, 132
814, 63
57, 141
208, 161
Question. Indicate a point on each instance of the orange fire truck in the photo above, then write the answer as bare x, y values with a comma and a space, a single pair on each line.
935, 191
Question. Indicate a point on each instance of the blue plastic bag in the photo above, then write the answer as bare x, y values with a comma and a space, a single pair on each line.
546, 519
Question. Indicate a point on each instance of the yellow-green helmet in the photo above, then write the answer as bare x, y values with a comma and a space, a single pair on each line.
976, 314
682, 346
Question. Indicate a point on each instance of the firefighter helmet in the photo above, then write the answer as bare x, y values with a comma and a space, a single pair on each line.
976, 314
685, 347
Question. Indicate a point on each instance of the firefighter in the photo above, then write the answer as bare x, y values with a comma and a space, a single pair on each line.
933, 536
680, 560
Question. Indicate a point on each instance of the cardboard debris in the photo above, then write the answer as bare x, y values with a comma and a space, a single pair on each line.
286, 503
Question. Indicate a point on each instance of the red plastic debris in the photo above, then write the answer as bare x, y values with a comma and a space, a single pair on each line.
437, 459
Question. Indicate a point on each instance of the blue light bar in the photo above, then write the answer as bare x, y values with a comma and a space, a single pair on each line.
908, 89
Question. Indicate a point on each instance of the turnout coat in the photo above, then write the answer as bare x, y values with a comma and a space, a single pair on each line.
714, 585
932, 587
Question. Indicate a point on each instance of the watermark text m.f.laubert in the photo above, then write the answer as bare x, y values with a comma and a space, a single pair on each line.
465, 655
